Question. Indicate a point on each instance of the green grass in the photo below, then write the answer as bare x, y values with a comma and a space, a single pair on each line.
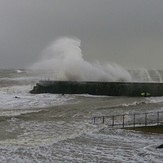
151, 129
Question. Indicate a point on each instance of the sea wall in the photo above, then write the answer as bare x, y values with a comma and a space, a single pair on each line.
99, 88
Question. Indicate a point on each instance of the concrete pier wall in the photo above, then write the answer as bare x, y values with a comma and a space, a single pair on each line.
99, 88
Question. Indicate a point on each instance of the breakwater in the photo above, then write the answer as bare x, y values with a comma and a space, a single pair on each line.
99, 88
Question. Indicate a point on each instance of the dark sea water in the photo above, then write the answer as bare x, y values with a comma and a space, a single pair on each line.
54, 128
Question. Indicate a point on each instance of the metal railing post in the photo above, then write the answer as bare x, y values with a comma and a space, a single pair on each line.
94, 120
158, 118
112, 121
145, 119
123, 121
134, 122
149, 118
103, 119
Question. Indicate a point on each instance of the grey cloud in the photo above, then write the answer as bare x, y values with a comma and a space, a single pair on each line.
127, 32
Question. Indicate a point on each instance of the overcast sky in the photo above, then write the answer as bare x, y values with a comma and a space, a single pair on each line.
127, 32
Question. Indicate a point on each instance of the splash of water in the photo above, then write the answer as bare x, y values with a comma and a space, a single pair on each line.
63, 60
141, 75
158, 75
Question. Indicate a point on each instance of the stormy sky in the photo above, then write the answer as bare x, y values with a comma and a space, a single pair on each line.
126, 32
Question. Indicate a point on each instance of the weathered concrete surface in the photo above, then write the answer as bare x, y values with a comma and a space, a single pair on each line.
99, 88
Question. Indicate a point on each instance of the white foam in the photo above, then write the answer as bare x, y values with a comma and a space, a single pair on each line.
19, 71
155, 99
92, 96
18, 97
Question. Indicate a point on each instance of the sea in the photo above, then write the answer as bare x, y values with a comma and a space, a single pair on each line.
46, 128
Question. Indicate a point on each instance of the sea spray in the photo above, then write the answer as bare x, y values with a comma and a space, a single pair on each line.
141, 75
158, 75
63, 60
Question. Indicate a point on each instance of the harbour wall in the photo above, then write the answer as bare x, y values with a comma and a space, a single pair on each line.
99, 88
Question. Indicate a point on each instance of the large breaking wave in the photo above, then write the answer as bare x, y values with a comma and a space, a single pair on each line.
63, 60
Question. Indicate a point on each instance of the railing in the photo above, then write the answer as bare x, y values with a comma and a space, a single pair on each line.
128, 120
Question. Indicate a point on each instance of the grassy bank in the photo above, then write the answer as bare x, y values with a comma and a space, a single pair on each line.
152, 129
